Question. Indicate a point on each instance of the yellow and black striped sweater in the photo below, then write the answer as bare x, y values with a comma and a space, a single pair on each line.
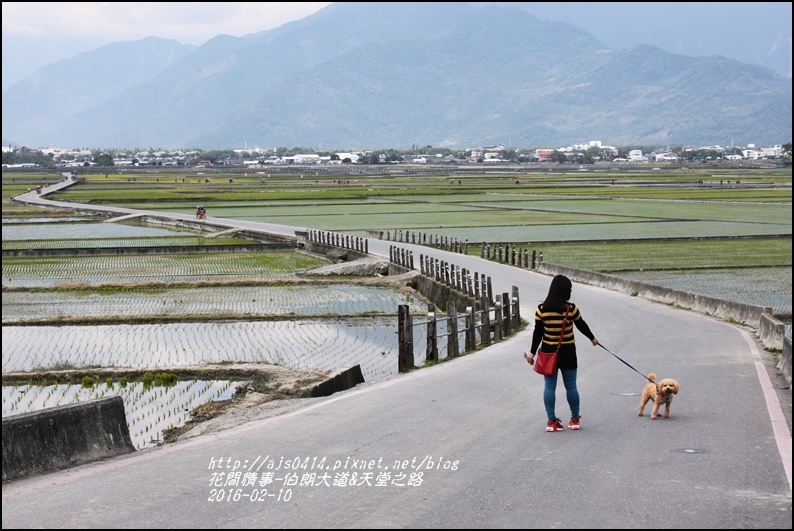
548, 326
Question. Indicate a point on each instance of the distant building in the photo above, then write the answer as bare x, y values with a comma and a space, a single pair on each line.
352, 157
544, 155
306, 159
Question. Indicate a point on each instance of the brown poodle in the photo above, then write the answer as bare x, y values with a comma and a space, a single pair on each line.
660, 392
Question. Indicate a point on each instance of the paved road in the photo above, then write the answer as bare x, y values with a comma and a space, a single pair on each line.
462, 444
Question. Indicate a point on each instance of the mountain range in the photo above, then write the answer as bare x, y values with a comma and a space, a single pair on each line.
361, 75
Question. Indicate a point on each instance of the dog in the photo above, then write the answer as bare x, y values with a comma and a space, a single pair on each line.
661, 392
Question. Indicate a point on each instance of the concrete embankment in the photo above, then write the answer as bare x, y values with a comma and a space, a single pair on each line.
64, 436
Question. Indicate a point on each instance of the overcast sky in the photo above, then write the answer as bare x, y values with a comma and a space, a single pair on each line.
187, 22
39, 33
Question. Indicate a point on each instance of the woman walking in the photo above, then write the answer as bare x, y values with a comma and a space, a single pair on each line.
549, 318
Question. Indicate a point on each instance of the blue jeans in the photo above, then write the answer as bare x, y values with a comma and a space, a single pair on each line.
571, 392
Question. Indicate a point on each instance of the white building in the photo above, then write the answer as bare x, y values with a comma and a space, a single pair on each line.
352, 156
306, 159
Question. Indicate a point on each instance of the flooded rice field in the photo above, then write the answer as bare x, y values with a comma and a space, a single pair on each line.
768, 287
316, 345
299, 326
55, 230
296, 300
52, 271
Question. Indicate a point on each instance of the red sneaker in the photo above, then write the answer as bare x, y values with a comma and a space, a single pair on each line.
574, 423
554, 425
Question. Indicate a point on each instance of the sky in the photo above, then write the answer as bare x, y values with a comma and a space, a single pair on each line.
40, 33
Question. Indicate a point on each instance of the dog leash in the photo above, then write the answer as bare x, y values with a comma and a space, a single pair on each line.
632, 368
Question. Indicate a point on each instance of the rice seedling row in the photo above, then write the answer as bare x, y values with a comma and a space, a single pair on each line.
297, 300
301, 345
54, 270
766, 287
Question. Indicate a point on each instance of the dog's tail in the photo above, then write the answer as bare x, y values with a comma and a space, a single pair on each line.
652, 376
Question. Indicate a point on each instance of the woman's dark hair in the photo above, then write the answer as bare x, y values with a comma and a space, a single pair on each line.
559, 293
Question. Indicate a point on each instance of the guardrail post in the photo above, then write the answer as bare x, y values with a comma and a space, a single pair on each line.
405, 360
507, 315
485, 331
453, 348
516, 309
432, 334
498, 325
471, 327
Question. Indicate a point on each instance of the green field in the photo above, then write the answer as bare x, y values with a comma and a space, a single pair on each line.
692, 219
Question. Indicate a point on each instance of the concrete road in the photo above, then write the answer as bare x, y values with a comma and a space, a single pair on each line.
462, 444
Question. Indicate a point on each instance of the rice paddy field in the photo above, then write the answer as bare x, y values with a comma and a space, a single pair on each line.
275, 300
74, 312
751, 270
309, 345
193, 267
721, 232
725, 234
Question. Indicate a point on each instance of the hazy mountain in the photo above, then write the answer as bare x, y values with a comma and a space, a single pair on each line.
758, 33
378, 75
54, 94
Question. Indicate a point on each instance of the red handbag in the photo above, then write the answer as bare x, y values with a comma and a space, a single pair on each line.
546, 362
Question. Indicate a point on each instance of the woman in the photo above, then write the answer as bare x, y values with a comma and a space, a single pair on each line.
549, 318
